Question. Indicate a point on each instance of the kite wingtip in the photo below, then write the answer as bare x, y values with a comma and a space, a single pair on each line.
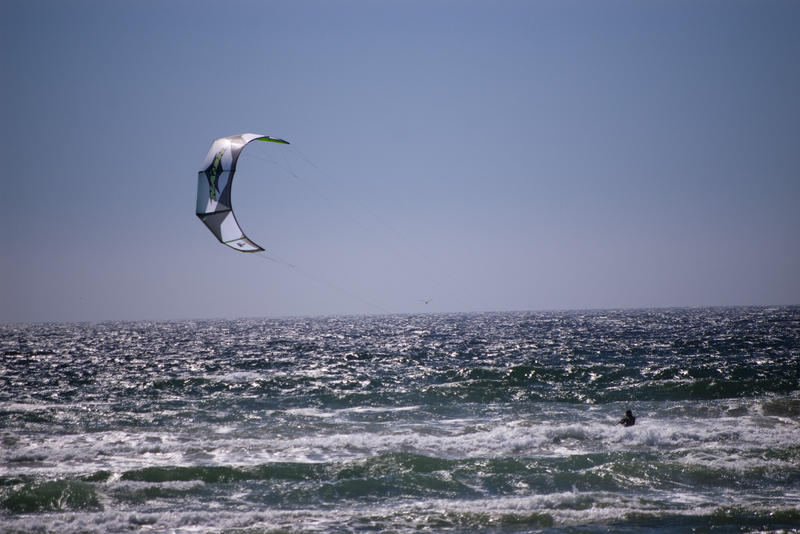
271, 139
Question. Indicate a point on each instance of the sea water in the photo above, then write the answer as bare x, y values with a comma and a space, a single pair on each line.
497, 422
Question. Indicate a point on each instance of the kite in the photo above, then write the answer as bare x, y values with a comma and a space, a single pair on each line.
214, 189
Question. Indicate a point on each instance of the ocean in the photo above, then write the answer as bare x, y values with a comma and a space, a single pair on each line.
488, 422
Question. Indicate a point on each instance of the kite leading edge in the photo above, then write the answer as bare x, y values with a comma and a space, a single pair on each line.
214, 189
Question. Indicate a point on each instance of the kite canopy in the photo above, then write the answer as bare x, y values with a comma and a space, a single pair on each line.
214, 189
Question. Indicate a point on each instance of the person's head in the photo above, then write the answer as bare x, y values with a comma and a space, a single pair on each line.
628, 413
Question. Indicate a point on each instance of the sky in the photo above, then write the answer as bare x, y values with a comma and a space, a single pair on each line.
446, 156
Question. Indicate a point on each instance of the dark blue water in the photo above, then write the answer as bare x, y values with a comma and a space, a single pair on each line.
499, 422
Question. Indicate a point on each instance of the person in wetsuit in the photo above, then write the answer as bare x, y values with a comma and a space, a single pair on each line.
628, 420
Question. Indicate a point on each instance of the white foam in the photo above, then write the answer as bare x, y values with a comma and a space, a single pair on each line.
564, 508
726, 442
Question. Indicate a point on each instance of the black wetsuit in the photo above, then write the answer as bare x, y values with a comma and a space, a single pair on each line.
628, 420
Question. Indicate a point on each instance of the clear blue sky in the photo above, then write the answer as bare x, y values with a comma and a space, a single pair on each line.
515, 155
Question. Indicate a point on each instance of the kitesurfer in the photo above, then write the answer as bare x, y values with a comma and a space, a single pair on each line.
628, 420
